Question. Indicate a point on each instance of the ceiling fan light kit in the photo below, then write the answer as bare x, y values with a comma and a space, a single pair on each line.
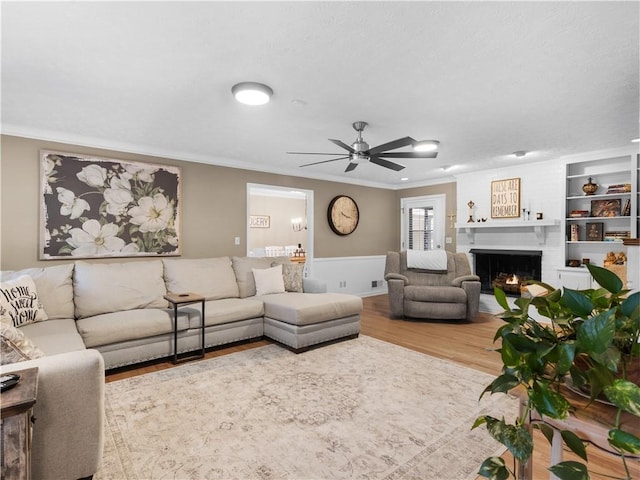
360, 151
252, 93
426, 146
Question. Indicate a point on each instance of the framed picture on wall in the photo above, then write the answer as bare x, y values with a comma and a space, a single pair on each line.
505, 198
259, 221
100, 207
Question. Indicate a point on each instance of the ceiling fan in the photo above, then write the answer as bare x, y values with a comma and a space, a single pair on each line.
360, 152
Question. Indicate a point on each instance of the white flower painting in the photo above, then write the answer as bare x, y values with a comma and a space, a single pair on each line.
96, 207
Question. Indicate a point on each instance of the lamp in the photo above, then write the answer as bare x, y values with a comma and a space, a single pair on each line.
426, 146
297, 224
252, 93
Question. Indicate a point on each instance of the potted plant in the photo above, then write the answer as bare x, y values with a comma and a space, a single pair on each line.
591, 341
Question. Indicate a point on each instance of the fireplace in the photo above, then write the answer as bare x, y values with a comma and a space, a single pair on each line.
506, 269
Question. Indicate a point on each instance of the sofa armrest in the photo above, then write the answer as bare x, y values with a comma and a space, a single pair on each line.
457, 282
69, 414
313, 285
396, 276
472, 289
396, 297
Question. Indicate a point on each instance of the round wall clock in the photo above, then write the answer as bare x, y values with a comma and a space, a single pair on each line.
343, 215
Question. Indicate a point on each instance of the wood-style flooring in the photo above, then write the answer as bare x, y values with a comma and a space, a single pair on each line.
469, 344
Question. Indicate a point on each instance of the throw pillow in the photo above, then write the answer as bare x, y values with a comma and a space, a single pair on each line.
19, 302
268, 280
15, 346
292, 276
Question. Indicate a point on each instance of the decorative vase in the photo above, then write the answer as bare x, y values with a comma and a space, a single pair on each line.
590, 188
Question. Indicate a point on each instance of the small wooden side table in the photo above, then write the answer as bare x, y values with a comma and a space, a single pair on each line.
179, 300
17, 416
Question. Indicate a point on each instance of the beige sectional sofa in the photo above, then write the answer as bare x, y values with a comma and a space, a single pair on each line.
105, 315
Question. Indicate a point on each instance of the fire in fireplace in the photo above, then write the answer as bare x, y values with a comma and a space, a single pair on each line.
506, 269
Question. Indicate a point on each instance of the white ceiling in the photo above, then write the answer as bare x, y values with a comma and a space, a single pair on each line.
483, 78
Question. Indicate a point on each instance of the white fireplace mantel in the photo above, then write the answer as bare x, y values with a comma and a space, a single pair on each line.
537, 226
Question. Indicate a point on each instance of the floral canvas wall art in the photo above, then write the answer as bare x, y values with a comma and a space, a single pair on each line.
98, 207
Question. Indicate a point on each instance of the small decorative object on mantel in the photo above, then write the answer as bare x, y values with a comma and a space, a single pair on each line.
539, 215
590, 188
471, 205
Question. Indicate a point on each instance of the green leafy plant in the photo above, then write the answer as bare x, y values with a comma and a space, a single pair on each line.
591, 340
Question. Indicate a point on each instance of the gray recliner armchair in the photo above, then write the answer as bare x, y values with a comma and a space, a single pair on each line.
452, 294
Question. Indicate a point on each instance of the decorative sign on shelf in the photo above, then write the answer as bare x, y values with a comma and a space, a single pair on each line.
259, 221
101, 207
505, 198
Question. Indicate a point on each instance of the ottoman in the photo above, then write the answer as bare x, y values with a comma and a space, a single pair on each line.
302, 320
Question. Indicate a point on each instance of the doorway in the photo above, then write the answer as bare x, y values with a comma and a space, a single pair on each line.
422, 222
279, 218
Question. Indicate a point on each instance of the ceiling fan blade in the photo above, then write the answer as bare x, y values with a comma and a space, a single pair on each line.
323, 161
312, 153
386, 163
343, 145
399, 143
350, 167
408, 154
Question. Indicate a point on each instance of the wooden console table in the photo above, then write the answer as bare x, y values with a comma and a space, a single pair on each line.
17, 408
590, 422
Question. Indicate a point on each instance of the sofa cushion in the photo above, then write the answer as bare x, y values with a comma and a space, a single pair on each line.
225, 310
19, 302
308, 308
268, 280
15, 346
54, 285
55, 336
212, 278
435, 294
112, 287
243, 269
130, 325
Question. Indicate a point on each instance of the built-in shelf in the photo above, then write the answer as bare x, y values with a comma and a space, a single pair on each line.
538, 226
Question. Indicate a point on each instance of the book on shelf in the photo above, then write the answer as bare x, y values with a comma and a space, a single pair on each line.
574, 233
579, 213
626, 210
619, 188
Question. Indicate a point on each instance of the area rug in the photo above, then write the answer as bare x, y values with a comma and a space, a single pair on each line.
361, 409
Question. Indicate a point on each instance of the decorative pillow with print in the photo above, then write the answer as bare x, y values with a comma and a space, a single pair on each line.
292, 276
19, 303
15, 346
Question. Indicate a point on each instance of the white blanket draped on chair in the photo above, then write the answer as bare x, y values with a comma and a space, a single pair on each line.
427, 259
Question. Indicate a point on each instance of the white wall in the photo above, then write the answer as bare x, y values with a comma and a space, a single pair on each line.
540, 191
351, 274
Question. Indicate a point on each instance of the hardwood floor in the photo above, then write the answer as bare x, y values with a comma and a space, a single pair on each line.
469, 344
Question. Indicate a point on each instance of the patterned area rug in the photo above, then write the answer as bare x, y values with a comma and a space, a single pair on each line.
361, 409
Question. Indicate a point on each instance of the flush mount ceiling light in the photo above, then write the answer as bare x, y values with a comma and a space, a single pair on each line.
636, 140
426, 146
519, 154
252, 93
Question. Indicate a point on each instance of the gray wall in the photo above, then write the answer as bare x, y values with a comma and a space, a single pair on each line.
214, 206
